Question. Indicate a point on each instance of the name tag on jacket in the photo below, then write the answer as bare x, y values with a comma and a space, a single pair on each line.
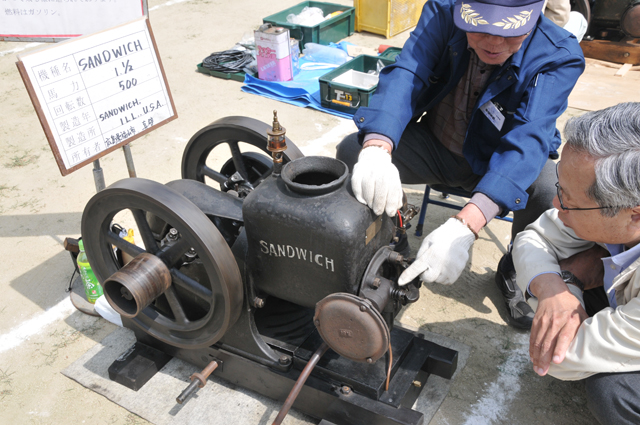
491, 111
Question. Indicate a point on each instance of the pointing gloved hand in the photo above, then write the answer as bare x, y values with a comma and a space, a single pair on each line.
442, 255
376, 182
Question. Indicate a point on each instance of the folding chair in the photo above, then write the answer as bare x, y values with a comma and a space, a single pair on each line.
446, 191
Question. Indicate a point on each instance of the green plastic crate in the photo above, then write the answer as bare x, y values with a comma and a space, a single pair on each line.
344, 97
329, 31
391, 53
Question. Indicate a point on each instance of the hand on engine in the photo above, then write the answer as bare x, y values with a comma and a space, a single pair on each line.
442, 255
376, 182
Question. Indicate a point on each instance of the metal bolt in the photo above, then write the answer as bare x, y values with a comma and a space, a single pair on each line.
395, 257
626, 54
126, 294
345, 390
363, 308
369, 360
173, 234
284, 360
417, 384
376, 283
258, 302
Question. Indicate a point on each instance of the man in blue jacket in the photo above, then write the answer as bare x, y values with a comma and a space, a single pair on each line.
492, 77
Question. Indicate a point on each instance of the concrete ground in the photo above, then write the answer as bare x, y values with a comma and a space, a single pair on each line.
41, 333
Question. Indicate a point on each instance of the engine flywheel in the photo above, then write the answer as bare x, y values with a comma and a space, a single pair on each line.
204, 296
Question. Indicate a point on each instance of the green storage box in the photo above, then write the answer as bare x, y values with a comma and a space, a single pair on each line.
349, 87
391, 53
328, 31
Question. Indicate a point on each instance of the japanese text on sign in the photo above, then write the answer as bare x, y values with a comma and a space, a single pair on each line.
59, 19
99, 91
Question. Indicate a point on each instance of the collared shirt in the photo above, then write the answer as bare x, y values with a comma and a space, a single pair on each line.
449, 119
614, 265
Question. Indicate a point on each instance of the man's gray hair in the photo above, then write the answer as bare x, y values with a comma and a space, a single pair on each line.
612, 136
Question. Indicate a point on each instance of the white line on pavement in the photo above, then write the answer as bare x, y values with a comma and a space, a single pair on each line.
169, 3
500, 394
35, 325
19, 49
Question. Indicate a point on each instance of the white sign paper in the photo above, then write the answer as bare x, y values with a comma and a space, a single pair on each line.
50, 20
98, 92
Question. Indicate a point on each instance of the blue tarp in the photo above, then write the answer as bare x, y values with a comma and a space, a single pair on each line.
303, 90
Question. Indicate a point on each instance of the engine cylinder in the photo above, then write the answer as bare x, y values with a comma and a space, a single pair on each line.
307, 235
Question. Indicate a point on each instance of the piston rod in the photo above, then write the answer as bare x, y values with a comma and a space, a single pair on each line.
300, 383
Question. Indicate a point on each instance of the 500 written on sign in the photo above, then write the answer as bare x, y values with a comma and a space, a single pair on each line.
127, 84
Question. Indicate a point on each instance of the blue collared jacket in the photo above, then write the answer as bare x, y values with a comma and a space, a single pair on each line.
531, 87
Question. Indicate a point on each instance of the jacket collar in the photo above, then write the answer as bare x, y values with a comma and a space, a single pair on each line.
516, 59
625, 275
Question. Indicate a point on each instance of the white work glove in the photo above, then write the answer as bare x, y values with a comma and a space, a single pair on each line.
442, 255
376, 182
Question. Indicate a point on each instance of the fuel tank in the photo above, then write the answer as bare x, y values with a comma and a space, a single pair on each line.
307, 235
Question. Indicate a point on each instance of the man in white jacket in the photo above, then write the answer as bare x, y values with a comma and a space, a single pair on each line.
578, 265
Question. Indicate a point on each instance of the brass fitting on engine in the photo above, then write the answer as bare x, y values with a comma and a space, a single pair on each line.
276, 143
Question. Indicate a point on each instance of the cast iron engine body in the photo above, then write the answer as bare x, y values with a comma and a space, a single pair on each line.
307, 234
258, 275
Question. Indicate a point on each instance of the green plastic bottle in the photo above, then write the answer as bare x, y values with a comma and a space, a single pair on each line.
92, 287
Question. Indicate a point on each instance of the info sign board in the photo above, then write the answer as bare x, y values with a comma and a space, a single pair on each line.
54, 20
96, 93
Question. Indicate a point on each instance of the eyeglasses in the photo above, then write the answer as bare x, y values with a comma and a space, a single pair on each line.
559, 193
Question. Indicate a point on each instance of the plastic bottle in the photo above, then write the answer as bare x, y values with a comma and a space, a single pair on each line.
92, 287
129, 238
309, 16
325, 54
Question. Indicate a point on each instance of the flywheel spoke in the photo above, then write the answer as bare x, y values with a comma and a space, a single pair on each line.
238, 160
145, 231
191, 285
204, 296
213, 174
176, 307
123, 245
173, 254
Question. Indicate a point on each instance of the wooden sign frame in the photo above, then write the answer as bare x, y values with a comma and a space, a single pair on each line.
113, 90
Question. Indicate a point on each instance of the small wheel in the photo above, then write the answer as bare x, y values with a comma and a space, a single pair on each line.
205, 296
583, 7
235, 133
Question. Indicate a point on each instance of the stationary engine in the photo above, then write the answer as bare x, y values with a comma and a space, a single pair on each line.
249, 280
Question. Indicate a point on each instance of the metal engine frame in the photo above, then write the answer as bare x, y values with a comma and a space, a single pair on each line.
207, 311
